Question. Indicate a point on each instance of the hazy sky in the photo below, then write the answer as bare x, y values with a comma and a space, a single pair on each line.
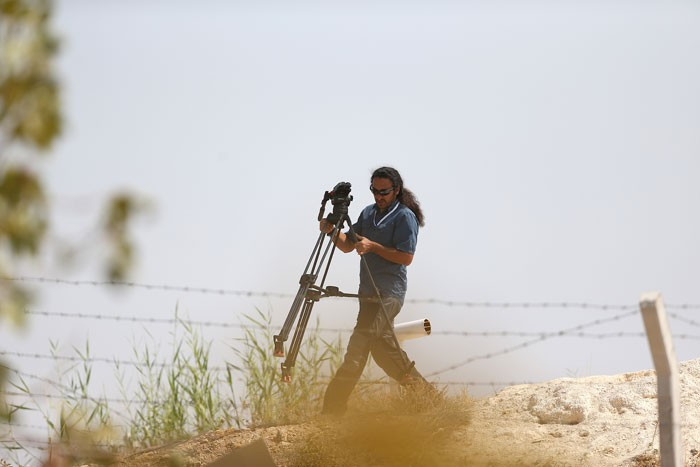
554, 146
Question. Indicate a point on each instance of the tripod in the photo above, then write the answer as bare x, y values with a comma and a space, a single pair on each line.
309, 292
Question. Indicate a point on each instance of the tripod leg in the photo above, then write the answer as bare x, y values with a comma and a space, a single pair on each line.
308, 297
280, 338
330, 258
306, 280
291, 359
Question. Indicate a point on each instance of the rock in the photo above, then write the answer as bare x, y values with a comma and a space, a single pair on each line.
560, 405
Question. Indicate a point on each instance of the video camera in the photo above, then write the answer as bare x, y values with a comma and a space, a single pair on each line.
340, 198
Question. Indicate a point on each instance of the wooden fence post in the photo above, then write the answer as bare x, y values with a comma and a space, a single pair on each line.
668, 381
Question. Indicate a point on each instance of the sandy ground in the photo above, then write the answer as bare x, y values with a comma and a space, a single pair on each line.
595, 421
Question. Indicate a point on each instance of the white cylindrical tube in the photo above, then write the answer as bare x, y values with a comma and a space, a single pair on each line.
412, 329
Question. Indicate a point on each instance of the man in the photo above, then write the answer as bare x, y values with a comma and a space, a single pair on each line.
387, 233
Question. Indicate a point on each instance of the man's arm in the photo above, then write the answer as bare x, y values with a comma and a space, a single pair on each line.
342, 241
365, 245
344, 244
403, 242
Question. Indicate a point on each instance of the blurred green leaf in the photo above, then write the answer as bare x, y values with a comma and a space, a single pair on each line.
13, 303
29, 94
120, 212
23, 211
11, 8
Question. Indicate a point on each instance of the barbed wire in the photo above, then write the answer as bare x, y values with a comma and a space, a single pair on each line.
585, 335
540, 336
139, 319
523, 305
63, 397
683, 306
162, 287
118, 362
684, 319
21, 425
86, 359
323, 382
61, 386
82, 359
252, 293
529, 343
364, 382
171, 321
217, 368
168, 321
22, 443
222, 324
368, 382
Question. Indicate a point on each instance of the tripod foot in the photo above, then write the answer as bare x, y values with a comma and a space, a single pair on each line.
279, 347
286, 374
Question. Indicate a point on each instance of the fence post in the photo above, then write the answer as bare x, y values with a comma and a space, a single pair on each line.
667, 379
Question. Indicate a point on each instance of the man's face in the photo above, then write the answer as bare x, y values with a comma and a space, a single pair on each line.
384, 192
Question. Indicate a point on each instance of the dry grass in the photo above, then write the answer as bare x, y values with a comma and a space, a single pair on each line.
407, 428
404, 428
177, 396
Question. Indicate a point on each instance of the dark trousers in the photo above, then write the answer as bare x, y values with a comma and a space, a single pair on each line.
371, 335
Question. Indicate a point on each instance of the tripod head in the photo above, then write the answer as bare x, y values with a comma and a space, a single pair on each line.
340, 198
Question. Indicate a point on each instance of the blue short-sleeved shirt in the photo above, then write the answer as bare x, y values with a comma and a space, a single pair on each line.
397, 228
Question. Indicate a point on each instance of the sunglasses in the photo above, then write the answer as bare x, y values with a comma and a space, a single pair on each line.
381, 192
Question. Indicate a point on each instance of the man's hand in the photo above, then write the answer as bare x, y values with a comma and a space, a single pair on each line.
325, 226
363, 245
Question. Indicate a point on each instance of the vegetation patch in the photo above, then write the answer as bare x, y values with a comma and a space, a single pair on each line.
399, 427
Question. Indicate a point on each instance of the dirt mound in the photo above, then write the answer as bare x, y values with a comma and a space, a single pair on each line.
595, 421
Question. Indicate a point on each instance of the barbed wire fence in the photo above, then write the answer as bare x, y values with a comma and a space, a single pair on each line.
581, 331
252, 293
576, 331
539, 337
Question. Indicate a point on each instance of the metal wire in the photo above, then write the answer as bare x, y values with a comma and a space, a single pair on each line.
221, 324
684, 319
63, 387
251, 293
163, 287
80, 359
529, 343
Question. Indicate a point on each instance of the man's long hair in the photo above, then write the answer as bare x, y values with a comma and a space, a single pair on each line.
406, 196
